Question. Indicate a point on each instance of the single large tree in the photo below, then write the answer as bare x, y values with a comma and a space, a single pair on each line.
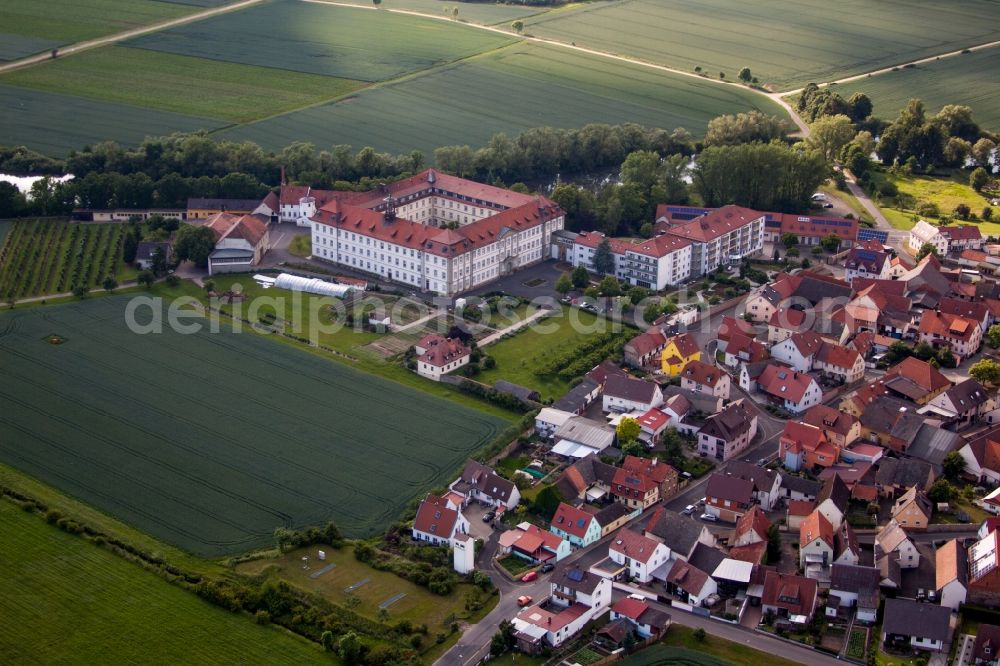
580, 277
953, 465
628, 430
927, 248
604, 260
829, 134
564, 284
194, 244
986, 371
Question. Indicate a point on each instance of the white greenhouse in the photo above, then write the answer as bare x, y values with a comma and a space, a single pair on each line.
312, 285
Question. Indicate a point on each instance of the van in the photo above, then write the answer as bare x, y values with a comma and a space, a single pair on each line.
688, 510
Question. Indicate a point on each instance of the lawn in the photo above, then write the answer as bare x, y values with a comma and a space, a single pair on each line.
164, 81
210, 441
945, 191
324, 39
54, 123
522, 86
419, 606
519, 355
68, 601
30, 26
681, 647
783, 46
301, 246
476, 12
967, 79
53, 256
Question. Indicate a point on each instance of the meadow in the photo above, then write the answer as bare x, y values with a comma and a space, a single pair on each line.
324, 39
210, 441
969, 79
53, 256
510, 90
68, 601
783, 45
30, 26
164, 81
946, 191
55, 124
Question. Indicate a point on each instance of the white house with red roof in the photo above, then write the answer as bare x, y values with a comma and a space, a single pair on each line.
438, 355
960, 334
794, 391
705, 378
398, 232
240, 242
576, 598
652, 424
639, 553
648, 621
532, 543
438, 521
798, 350
721, 237
577, 526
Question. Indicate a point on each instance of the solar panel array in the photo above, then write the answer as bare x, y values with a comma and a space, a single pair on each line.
880, 235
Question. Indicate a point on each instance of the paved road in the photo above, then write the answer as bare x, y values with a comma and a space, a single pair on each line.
128, 34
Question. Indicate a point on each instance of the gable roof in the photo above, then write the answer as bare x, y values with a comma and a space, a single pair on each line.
730, 326
921, 373
735, 489
987, 643
807, 343
634, 545
950, 563
686, 344
652, 468
630, 608
904, 473
796, 594
629, 388
679, 533
838, 356
487, 481
251, 228
753, 521
889, 538
816, 526
967, 395
647, 342
435, 517
572, 520
915, 497
961, 232
715, 223
763, 479
687, 577
631, 484
835, 490
828, 418
702, 373
853, 578
784, 382
903, 617
947, 325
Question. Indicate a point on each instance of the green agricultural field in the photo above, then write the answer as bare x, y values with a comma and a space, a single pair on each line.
55, 124
53, 256
528, 86
681, 647
968, 79
165, 81
784, 45
212, 440
325, 39
477, 12
67, 601
30, 26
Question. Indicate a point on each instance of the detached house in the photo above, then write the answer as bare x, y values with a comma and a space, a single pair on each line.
962, 336
533, 544
804, 446
437, 356
962, 405
438, 521
576, 597
702, 377
893, 543
841, 429
789, 597
792, 390
690, 583
798, 350
868, 259
481, 484
728, 497
648, 622
815, 544
640, 554
982, 457
729, 432
744, 349
575, 525
634, 490
241, 241
626, 394
677, 353
916, 625
854, 586
841, 362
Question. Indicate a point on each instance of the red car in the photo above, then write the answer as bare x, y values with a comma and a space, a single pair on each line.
530, 576
523, 601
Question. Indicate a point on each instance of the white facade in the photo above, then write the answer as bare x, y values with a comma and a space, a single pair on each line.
924, 232
641, 569
616, 403
952, 595
434, 371
788, 352
651, 263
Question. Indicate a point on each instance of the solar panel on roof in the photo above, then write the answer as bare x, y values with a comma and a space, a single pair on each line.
580, 522
575, 575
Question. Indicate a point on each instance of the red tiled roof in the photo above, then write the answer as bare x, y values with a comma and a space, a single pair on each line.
659, 246
648, 342
731, 325
803, 435
800, 507
755, 521
816, 526
961, 232
803, 225
788, 319
715, 223
630, 608
631, 484
653, 420
947, 325
752, 349
838, 356
250, 228
634, 545
434, 517
702, 373
794, 593
919, 372
444, 351
830, 419
784, 382
685, 343
650, 467
753, 553
572, 520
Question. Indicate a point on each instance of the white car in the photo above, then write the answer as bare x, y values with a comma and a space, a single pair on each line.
819, 196
709, 517
688, 510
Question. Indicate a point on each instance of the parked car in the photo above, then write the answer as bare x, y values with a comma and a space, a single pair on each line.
688, 510
828, 205
530, 576
523, 600
489, 515
709, 517
547, 567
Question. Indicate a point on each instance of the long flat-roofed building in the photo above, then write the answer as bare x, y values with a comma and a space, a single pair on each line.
433, 231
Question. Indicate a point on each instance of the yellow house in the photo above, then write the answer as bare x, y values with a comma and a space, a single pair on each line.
680, 350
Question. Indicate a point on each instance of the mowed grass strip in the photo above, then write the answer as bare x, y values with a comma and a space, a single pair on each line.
67, 601
784, 44
209, 440
65, 21
181, 84
512, 90
323, 39
54, 124
969, 79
